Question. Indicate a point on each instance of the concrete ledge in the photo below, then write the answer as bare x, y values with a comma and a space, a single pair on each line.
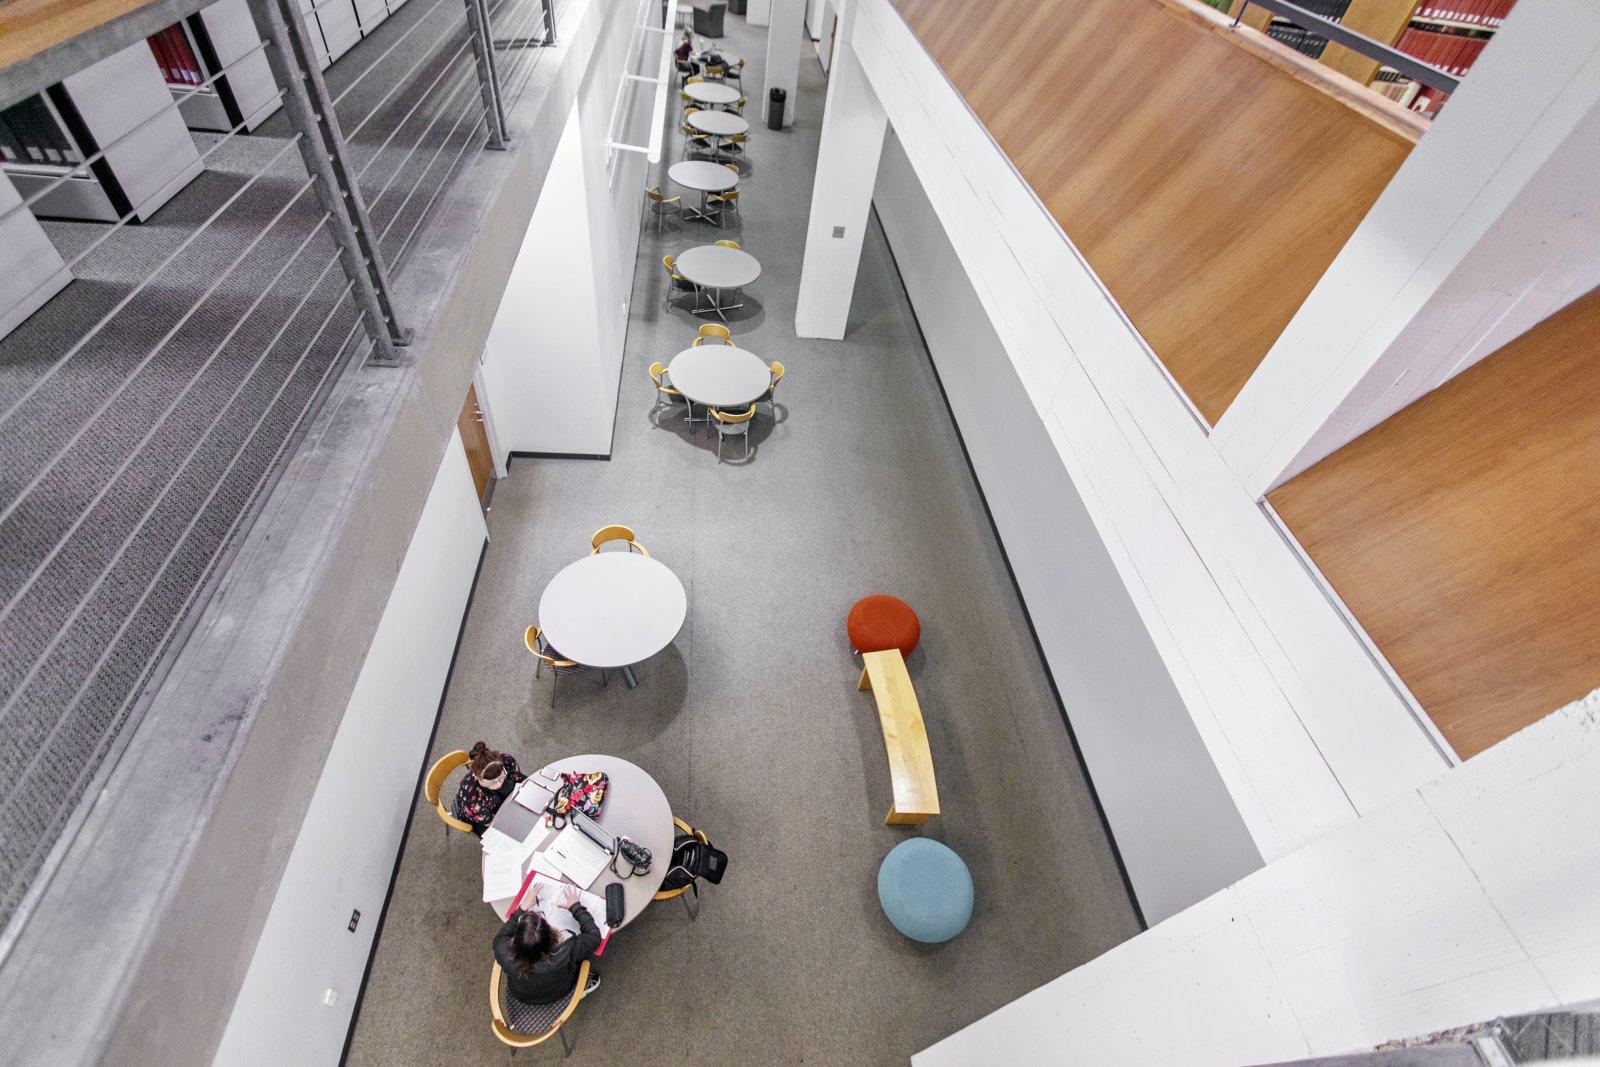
139, 944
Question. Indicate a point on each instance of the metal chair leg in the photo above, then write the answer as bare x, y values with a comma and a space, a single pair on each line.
747, 443
565, 1044
555, 681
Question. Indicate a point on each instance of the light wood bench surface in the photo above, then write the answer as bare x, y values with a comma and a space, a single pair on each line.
916, 794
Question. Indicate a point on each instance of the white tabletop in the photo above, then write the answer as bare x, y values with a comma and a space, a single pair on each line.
711, 92
716, 267
720, 123
701, 174
719, 375
612, 609
634, 806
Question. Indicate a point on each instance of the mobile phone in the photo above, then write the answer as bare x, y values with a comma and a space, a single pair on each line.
614, 910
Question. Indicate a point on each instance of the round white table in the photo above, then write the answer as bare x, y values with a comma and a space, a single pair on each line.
713, 93
719, 376
716, 268
635, 807
719, 124
705, 177
612, 609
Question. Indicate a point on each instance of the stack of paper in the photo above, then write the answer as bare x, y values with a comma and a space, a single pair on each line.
502, 873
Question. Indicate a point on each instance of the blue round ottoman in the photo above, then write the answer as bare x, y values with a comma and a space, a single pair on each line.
925, 890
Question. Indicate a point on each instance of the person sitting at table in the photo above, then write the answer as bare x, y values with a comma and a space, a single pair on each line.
491, 778
684, 51
541, 965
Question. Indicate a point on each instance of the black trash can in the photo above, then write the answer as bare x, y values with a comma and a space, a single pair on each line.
708, 20
775, 102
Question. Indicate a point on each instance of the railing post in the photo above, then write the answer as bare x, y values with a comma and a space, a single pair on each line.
494, 111
549, 22
322, 147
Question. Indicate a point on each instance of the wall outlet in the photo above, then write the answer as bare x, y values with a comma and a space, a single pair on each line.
355, 920
838, 232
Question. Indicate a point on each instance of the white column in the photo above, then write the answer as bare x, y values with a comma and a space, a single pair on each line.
1487, 228
758, 12
783, 54
841, 198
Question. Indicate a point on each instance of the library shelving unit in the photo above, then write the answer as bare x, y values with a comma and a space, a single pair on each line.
1448, 34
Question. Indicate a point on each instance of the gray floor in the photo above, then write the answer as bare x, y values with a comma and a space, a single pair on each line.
117, 526
752, 723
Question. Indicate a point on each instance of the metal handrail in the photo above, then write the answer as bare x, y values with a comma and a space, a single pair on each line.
1410, 66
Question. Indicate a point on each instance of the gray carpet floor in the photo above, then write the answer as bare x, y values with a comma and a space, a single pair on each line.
751, 722
120, 509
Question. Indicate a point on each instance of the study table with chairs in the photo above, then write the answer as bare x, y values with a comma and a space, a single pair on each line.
727, 381
592, 827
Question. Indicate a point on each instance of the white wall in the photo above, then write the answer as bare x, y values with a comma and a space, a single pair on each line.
1488, 227
118, 94
1468, 898
344, 856
31, 270
1303, 725
554, 358
1176, 826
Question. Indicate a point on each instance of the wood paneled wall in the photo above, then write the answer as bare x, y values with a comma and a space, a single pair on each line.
1464, 532
1208, 175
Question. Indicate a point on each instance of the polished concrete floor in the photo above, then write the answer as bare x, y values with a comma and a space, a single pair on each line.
751, 722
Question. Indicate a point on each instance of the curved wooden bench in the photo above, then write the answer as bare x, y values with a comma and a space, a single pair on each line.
916, 794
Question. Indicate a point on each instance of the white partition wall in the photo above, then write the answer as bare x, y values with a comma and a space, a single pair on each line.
249, 78
553, 364
299, 994
1301, 725
31, 270
1468, 898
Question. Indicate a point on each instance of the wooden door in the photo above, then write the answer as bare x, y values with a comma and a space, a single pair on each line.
476, 439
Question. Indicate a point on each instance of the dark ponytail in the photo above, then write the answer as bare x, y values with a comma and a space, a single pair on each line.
533, 941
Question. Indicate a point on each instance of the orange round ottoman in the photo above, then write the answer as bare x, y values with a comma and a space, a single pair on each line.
880, 622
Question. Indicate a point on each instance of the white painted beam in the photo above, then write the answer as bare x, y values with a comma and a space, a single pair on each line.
1490, 226
783, 55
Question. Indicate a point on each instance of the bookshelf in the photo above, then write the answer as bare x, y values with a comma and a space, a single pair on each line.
1448, 34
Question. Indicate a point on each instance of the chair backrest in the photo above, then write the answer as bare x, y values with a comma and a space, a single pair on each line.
716, 72
715, 329
777, 374
549, 1016
733, 167
615, 532
727, 418
654, 194
530, 637
686, 877
691, 81
434, 781
727, 244
671, 263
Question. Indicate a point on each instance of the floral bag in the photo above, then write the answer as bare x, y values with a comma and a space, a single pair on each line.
580, 792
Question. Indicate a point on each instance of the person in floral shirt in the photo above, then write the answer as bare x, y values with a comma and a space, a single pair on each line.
491, 778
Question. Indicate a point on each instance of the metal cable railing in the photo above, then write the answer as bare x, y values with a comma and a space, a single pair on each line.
144, 414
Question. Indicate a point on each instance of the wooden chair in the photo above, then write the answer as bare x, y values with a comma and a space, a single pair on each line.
735, 142
678, 283
673, 894
710, 330
522, 1025
715, 72
659, 205
905, 738
666, 395
434, 781
693, 139
615, 532
766, 397
733, 424
727, 244
728, 198
543, 657
738, 106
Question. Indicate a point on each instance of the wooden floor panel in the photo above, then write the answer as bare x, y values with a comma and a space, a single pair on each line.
1209, 176
1464, 533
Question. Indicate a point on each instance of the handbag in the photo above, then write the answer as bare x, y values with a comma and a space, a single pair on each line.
581, 792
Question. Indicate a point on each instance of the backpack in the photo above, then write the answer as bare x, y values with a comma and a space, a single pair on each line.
692, 860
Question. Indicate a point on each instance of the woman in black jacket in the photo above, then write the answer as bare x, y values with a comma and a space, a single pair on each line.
541, 967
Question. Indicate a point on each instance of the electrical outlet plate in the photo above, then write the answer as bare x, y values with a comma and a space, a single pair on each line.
355, 920
838, 232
